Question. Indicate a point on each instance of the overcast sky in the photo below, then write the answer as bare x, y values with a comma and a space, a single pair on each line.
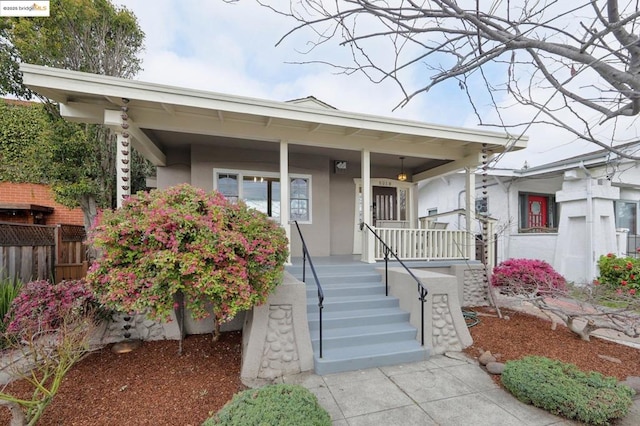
230, 48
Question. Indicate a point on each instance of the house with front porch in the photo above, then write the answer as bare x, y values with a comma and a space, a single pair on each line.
567, 213
302, 162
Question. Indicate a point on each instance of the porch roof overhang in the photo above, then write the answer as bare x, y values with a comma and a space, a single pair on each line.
158, 109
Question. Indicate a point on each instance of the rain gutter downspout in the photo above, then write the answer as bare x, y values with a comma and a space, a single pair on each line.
589, 270
460, 199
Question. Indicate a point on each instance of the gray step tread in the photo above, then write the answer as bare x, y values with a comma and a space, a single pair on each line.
327, 365
360, 303
337, 292
364, 330
338, 289
392, 338
359, 313
330, 300
346, 276
371, 351
356, 298
346, 284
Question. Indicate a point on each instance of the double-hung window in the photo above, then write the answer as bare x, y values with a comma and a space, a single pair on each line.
261, 191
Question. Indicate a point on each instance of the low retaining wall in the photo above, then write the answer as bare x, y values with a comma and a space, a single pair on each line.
143, 328
472, 286
444, 326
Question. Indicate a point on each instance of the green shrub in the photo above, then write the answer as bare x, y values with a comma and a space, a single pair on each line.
563, 389
621, 274
273, 405
9, 289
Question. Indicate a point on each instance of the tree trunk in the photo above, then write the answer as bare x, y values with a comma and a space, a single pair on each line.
179, 310
583, 333
89, 211
216, 329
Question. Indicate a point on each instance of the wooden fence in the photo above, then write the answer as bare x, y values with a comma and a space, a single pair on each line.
39, 252
71, 253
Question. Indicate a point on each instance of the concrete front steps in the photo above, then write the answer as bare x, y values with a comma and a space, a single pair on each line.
362, 328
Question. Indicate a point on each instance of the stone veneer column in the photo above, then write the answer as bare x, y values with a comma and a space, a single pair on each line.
276, 339
445, 328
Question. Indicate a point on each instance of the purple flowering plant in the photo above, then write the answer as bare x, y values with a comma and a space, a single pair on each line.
530, 275
41, 306
184, 240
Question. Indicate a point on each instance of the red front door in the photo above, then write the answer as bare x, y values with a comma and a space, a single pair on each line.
537, 211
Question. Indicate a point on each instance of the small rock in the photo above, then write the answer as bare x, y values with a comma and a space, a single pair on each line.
495, 367
610, 359
486, 358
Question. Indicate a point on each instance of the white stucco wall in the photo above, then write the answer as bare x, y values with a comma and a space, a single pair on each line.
533, 246
447, 194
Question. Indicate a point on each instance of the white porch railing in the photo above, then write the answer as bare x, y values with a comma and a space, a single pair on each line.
424, 244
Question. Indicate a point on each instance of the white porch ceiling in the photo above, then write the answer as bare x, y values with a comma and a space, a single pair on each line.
163, 116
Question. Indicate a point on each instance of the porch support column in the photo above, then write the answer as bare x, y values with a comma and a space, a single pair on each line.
413, 214
470, 200
368, 254
284, 192
123, 167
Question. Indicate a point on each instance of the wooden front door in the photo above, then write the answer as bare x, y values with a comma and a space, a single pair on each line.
538, 211
384, 203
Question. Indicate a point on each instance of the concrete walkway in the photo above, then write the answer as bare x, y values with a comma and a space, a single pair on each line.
445, 390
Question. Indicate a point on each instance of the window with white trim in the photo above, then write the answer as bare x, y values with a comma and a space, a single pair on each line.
626, 215
299, 197
261, 191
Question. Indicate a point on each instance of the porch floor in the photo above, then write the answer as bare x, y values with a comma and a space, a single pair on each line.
354, 259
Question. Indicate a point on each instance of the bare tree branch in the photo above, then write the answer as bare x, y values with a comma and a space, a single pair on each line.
580, 59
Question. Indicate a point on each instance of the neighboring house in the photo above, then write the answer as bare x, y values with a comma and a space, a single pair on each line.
34, 203
29, 252
567, 213
333, 162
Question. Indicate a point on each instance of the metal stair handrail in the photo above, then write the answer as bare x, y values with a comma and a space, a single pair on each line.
422, 291
305, 254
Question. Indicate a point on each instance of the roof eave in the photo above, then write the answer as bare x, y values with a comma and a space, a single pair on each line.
58, 83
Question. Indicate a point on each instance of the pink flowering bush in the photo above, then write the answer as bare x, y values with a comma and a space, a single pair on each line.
527, 275
183, 241
621, 274
41, 306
